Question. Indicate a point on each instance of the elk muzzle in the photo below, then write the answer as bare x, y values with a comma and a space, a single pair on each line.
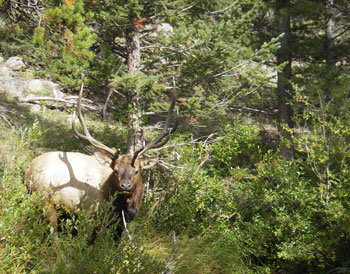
125, 185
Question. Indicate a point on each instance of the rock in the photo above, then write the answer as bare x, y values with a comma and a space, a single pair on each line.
6, 72
15, 63
164, 30
44, 88
35, 85
13, 86
55, 90
31, 107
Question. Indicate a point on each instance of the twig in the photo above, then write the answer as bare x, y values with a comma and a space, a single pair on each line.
126, 229
249, 109
168, 166
206, 158
172, 256
119, 93
111, 91
3, 116
75, 97
104, 112
130, 239
225, 9
33, 99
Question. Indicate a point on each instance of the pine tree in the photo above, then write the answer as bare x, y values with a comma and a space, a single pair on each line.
63, 41
205, 45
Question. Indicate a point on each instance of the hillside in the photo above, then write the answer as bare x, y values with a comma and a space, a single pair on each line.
254, 180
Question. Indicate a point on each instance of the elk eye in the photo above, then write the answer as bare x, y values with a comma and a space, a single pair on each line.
136, 172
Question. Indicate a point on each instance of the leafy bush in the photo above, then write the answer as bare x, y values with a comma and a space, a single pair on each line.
239, 146
277, 212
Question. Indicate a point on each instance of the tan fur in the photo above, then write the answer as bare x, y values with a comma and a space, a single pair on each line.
69, 177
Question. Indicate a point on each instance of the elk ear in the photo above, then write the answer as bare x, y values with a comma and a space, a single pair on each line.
103, 158
148, 162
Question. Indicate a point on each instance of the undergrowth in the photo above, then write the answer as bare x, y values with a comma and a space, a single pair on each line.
28, 243
228, 204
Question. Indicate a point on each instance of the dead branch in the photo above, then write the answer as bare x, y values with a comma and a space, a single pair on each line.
131, 241
127, 231
70, 101
167, 166
192, 142
7, 120
206, 158
268, 113
104, 111
110, 93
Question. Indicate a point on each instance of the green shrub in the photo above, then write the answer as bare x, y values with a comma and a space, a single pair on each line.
278, 213
238, 146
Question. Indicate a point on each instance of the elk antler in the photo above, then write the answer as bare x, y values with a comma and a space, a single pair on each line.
165, 131
86, 135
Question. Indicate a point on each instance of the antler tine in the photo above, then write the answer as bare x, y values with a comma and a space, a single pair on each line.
165, 131
86, 135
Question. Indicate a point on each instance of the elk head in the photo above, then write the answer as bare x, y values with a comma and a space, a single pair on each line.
126, 168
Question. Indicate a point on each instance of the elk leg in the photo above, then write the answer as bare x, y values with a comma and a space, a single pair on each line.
93, 237
52, 216
118, 235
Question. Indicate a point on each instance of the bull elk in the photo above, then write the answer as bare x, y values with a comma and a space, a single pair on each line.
76, 181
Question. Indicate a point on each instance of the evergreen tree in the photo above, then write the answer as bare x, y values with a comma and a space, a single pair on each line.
64, 40
18, 19
206, 45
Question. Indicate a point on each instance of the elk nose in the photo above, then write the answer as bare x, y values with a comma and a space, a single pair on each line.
125, 185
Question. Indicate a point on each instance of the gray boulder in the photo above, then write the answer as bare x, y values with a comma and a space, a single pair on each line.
44, 88
15, 63
6, 71
13, 86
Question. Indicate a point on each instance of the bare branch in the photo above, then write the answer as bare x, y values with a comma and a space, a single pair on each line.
127, 230
195, 141
250, 109
167, 166
183, 10
104, 111
225, 9
3, 116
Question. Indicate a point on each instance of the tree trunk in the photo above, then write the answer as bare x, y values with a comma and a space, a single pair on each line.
329, 44
135, 140
284, 90
330, 29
